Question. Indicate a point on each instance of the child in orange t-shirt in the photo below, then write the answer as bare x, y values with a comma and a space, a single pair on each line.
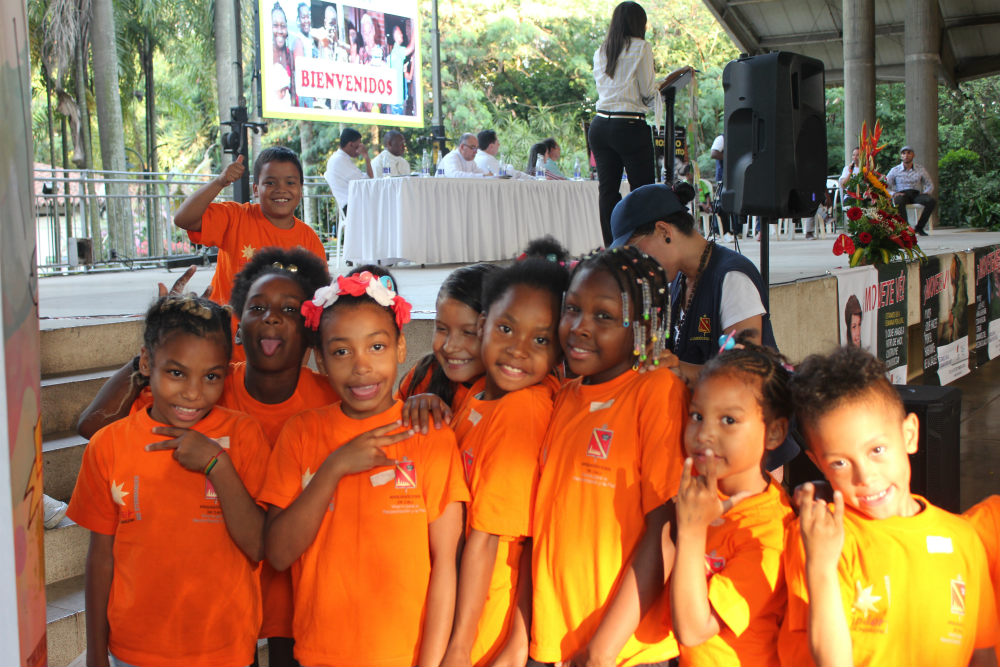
168, 495
727, 590
499, 434
367, 515
885, 578
239, 231
454, 363
985, 516
610, 460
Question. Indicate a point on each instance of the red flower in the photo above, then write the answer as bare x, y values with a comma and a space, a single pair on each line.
843, 244
854, 213
354, 285
865, 238
312, 314
401, 307
895, 238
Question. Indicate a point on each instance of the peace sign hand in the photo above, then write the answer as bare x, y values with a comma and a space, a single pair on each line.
365, 451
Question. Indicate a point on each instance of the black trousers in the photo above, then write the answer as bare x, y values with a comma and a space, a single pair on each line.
619, 143
904, 197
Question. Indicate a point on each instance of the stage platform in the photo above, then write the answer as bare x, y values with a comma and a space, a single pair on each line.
803, 289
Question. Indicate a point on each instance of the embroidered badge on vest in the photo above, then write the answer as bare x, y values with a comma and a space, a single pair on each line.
705, 324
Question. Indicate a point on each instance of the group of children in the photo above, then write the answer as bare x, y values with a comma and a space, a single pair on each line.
537, 489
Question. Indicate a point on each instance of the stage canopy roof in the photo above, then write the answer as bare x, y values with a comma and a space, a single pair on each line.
970, 38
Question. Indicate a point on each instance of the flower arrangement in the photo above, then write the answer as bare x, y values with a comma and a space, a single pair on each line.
876, 233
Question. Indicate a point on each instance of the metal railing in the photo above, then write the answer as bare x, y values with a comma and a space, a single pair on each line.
74, 204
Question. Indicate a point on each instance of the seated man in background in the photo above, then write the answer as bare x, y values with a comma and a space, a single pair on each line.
392, 157
486, 156
460, 163
910, 183
341, 169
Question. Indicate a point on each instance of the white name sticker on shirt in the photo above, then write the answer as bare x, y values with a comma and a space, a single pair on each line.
384, 477
595, 405
938, 545
223, 441
474, 417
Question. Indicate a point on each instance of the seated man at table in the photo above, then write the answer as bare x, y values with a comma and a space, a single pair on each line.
391, 158
486, 156
460, 163
341, 168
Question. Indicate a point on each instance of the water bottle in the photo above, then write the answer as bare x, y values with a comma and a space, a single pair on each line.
425, 169
540, 168
503, 166
385, 170
440, 172
624, 176
576, 170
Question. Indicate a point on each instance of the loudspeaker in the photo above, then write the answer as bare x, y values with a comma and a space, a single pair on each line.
934, 469
774, 155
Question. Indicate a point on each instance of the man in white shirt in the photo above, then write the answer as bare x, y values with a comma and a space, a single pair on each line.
391, 158
460, 163
341, 169
486, 157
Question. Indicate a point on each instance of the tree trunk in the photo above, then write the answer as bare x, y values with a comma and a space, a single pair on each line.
156, 225
121, 234
94, 214
228, 69
306, 141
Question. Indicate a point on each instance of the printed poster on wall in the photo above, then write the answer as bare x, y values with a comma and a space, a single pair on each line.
987, 303
353, 62
944, 301
857, 294
892, 338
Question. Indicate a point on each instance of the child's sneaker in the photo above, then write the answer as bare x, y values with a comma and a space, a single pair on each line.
55, 511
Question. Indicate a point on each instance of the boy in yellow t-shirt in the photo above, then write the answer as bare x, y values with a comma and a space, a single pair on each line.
886, 578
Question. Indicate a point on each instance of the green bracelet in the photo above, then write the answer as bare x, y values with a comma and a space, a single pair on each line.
211, 464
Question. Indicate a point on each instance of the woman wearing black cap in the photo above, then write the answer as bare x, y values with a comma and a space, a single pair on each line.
619, 136
714, 291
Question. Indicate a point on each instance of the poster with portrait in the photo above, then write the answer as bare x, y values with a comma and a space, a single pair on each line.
892, 337
857, 296
353, 62
987, 267
944, 302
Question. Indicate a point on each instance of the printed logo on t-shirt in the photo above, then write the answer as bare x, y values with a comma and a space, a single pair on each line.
248, 252
868, 611
958, 595
714, 563
474, 417
128, 508
210, 493
406, 474
600, 443
467, 460
307, 477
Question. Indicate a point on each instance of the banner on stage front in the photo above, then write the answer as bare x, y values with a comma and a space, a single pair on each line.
857, 294
892, 334
944, 301
987, 303
351, 62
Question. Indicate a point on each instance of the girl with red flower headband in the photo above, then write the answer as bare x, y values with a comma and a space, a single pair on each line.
367, 514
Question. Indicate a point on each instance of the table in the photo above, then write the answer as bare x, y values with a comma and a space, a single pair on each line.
464, 220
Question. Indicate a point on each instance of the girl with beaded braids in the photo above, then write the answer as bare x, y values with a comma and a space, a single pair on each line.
730, 507
714, 291
168, 494
611, 458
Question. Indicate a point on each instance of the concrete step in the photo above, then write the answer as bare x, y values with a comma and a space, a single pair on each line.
66, 624
76, 345
61, 456
65, 396
66, 620
65, 551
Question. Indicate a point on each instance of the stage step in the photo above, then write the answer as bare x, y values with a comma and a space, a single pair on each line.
65, 551
65, 396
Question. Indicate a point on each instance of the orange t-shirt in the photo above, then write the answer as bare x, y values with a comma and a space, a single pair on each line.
746, 585
986, 518
406, 388
361, 586
239, 231
611, 455
916, 591
499, 442
312, 391
182, 592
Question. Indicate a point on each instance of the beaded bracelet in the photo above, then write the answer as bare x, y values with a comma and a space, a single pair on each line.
211, 464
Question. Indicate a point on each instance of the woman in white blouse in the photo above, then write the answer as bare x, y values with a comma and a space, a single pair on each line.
619, 136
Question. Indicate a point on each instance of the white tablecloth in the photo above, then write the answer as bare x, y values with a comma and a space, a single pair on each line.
462, 220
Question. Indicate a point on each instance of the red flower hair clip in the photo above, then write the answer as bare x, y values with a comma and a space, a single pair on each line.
379, 288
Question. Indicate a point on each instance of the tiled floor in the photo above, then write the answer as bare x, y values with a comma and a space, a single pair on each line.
980, 447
